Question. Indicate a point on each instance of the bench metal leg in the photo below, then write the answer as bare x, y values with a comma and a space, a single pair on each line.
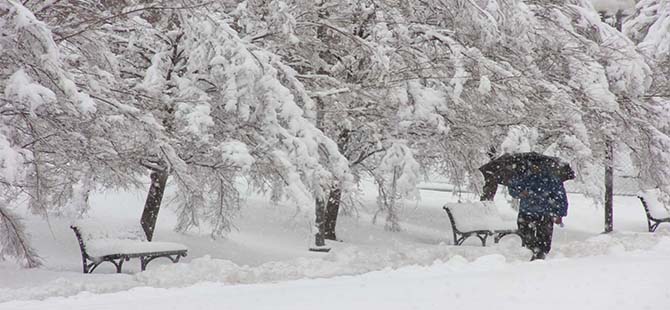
652, 228
463, 236
121, 260
95, 265
461, 239
654, 223
144, 260
118, 264
482, 237
88, 267
499, 236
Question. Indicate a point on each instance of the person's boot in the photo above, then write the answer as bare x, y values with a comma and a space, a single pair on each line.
538, 255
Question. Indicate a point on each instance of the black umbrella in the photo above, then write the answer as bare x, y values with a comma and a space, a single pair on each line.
502, 169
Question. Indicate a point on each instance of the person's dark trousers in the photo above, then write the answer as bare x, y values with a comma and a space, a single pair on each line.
536, 232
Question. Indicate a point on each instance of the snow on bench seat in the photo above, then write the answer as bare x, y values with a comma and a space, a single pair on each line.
104, 247
479, 218
480, 215
654, 207
116, 241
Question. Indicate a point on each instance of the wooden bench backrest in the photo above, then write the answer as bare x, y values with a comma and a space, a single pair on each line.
653, 206
479, 215
90, 229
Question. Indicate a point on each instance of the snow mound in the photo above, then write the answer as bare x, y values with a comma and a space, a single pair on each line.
614, 243
346, 260
343, 260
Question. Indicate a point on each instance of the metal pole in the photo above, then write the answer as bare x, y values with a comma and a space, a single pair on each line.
609, 185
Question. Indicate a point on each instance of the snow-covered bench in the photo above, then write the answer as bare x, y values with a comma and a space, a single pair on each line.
654, 209
481, 219
105, 242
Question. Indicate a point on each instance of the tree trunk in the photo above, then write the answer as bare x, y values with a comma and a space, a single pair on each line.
319, 239
609, 155
609, 193
153, 202
332, 209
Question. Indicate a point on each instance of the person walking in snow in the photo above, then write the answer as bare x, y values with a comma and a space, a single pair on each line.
542, 204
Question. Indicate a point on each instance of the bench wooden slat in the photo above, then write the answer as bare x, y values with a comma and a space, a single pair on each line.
652, 221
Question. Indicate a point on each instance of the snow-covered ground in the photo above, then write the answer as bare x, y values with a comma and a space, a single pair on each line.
623, 281
265, 264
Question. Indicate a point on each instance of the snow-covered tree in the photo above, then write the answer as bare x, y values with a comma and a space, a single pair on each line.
168, 86
222, 107
59, 139
295, 95
451, 78
649, 28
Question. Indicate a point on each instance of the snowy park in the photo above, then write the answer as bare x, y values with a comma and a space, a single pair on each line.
330, 154
264, 264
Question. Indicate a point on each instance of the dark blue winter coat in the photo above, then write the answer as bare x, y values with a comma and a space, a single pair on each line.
546, 194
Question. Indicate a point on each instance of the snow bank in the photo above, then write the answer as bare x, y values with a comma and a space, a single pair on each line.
342, 260
350, 260
489, 282
354, 260
71, 286
614, 244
